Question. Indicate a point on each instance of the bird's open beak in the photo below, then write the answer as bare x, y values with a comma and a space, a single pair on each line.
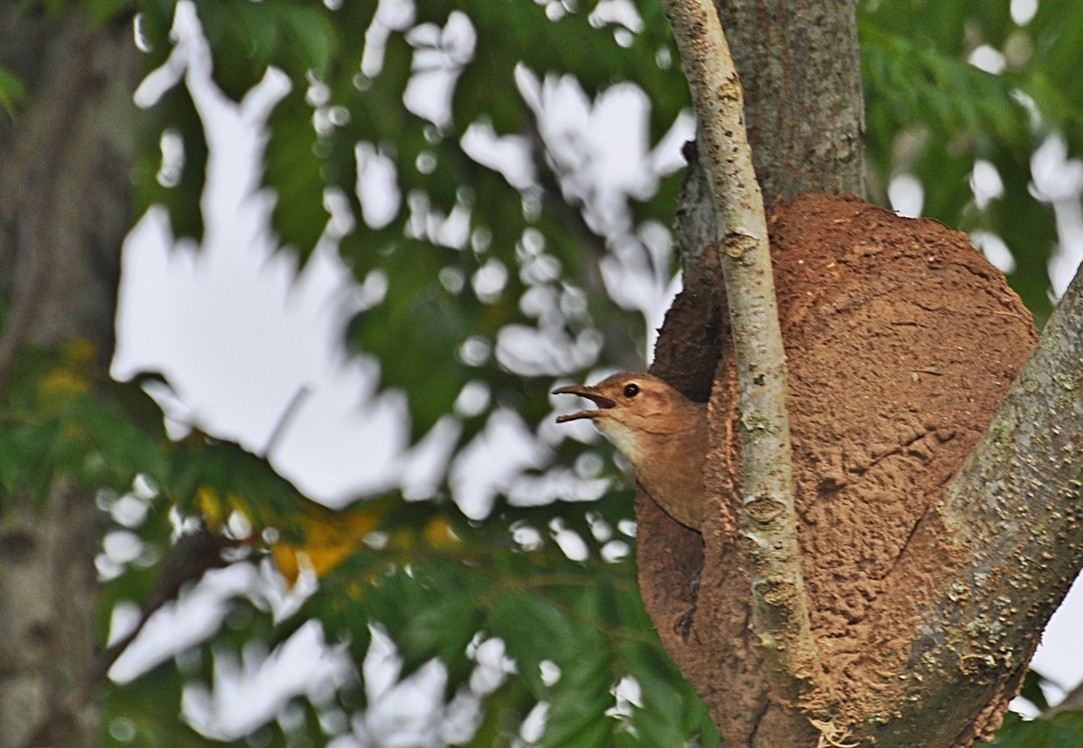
589, 393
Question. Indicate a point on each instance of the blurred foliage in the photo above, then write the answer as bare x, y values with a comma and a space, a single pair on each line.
432, 308
932, 114
1032, 690
58, 419
1064, 730
437, 583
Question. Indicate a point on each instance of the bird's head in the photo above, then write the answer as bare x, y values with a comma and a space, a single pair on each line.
632, 409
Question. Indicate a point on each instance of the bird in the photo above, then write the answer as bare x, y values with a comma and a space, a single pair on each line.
661, 432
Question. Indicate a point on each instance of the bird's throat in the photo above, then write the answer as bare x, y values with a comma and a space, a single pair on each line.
628, 441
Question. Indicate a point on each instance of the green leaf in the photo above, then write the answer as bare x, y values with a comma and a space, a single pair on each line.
147, 715
310, 35
417, 332
12, 92
123, 448
175, 112
103, 11
12, 464
1057, 29
504, 712
534, 630
670, 706
1062, 731
256, 25
1029, 229
294, 171
1032, 690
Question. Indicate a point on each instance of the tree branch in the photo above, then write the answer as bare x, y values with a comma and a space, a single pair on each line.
1010, 518
768, 525
800, 62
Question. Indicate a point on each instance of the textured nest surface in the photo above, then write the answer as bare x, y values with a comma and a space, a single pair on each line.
902, 341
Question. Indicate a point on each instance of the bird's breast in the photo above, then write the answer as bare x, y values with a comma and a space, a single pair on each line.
671, 472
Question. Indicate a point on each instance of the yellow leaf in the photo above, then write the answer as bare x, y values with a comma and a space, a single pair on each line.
216, 509
62, 385
79, 352
327, 539
439, 533
211, 507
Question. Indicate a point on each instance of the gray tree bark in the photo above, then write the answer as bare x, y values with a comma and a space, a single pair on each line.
799, 62
65, 194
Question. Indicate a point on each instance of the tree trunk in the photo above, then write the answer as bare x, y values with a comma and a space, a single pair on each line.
65, 194
800, 66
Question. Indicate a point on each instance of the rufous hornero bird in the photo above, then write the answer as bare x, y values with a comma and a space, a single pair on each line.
659, 430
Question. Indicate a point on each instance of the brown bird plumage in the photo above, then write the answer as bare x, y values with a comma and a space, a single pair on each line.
661, 432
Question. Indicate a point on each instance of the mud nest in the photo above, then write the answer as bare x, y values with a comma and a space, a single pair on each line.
902, 341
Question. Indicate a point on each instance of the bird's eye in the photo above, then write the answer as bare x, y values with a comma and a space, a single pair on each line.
631, 390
